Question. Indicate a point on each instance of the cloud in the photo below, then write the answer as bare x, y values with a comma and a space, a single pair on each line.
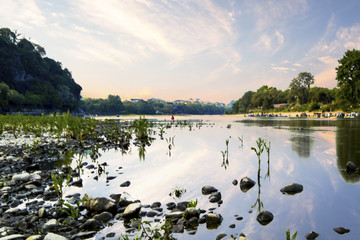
297, 65
23, 14
176, 29
280, 69
270, 44
275, 12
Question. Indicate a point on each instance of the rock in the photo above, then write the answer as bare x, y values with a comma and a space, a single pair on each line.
91, 225
213, 221
246, 184
103, 217
42, 212
215, 197
311, 235
182, 205
21, 177
175, 215
292, 189
116, 197
232, 226
34, 237
171, 205
51, 224
77, 183
221, 236
190, 213
83, 235
350, 167
132, 210
99, 204
53, 236
151, 214
265, 217
206, 190
341, 230
239, 218
125, 184
235, 182
179, 226
109, 178
155, 205
14, 237
110, 235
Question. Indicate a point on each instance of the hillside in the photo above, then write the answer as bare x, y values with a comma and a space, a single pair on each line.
29, 80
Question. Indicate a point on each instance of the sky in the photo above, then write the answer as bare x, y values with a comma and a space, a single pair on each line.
171, 49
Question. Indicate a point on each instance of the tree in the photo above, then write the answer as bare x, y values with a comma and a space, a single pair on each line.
348, 76
300, 86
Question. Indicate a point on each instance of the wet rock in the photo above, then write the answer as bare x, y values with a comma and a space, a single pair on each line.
235, 182
77, 183
99, 204
190, 213
14, 237
232, 226
110, 235
132, 210
125, 184
49, 195
265, 217
53, 236
83, 235
110, 178
213, 221
341, 230
21, 177
206, 190
215, 197
34, 237
350, 167
311, 235
91, 225
171, 205
155, 205
116, 197
182, 205
292, 189
221, 236
246, 184
103, 217
179, 226
51, 225
42, 212
175, 215
151, 214
239, 218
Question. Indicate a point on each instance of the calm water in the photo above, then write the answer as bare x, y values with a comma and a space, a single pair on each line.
310, 152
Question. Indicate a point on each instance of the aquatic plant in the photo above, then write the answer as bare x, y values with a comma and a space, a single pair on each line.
241, 139
192, 204
177, 192
58, 183
74, 211
293, 237
146, 231
225, 155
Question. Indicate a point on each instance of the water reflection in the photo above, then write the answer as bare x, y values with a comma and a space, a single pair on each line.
302, 144
347, 147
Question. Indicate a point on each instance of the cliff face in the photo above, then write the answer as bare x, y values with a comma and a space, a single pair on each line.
36, 81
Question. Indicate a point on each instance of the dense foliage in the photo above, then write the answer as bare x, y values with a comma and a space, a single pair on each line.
29, 80
300, 96
348, 76
114, 106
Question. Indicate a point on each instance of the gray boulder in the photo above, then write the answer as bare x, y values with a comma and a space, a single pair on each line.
53, 236
246, 184
292, 189
311, 235
341, 230
265, 217
132, 210
99, 204
51, 224
206, 190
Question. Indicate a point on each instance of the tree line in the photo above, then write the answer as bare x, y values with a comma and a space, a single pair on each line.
301, 96
114, 106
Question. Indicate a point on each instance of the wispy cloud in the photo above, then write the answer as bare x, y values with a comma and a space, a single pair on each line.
23, 14
270, 44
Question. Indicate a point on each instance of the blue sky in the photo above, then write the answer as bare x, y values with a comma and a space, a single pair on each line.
212, 50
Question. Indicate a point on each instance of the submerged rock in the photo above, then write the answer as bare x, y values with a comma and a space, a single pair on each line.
265, 217
246, 184
341, 230
311, 235
206, 190
292, 189
350, 167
